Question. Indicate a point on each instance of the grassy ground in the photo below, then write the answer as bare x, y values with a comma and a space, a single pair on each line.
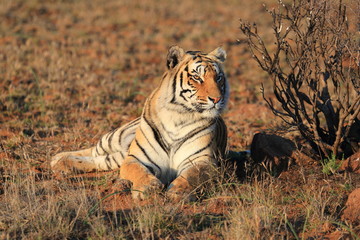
72, 70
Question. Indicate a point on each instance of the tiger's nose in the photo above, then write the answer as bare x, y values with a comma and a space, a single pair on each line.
214, 99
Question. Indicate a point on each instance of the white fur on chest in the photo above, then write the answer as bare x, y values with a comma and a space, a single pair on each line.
182, 133
176, 126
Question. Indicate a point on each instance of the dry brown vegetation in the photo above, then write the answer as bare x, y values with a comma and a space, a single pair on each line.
72, 70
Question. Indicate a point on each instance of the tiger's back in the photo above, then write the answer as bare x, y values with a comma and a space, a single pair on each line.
179, 134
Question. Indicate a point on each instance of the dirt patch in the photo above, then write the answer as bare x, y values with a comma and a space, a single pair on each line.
352, 210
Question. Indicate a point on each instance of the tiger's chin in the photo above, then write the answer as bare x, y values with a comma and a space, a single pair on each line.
211, 112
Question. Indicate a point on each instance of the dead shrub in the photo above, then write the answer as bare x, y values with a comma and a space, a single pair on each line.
314, 68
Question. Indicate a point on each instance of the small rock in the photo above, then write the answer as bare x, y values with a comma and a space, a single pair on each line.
42, 134
351, 164
272, 150
28, 132
352, 210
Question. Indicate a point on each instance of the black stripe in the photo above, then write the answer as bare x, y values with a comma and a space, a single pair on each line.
186, 124
191, 85
200, 150
173, 100
182, 94
197, 152
205, 69
174, 85
157, 136
193, 94
133, 156
186, 109
174, 89
130, 125
120, 136
133, 122
188, 161
209, 59
97, 150
107, 161
101, 145
113, 158
181, 79
110, 139
147, 167
192, 134
148, 140
142, 149
186, 69
122, 155
168, 133
147, 156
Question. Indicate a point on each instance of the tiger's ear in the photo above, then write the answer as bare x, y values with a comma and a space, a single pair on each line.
174, 56
219, 53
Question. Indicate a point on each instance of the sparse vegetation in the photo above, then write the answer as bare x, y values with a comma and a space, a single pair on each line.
72, 70
330, 165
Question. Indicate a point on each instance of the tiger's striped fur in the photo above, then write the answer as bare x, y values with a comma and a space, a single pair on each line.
179, 136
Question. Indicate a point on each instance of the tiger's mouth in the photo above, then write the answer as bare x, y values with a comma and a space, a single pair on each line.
210, 106
219, 105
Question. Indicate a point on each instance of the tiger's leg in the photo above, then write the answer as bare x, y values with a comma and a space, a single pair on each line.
144, 182
108, 153
87, 160
183, 187
143, 165
77, 163
117, 140
64, 156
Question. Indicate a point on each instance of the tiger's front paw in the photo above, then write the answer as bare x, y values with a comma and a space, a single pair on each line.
143, 191
176, 194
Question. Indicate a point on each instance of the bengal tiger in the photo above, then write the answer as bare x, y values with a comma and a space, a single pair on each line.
179, 137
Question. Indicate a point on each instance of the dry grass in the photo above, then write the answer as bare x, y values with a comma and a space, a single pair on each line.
72, 70
38, 206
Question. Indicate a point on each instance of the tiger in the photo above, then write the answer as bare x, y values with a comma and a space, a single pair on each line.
178, 140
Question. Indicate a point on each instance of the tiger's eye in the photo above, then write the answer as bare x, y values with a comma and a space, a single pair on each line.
197, 78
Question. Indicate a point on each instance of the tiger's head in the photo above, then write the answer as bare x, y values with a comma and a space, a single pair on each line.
197, 81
